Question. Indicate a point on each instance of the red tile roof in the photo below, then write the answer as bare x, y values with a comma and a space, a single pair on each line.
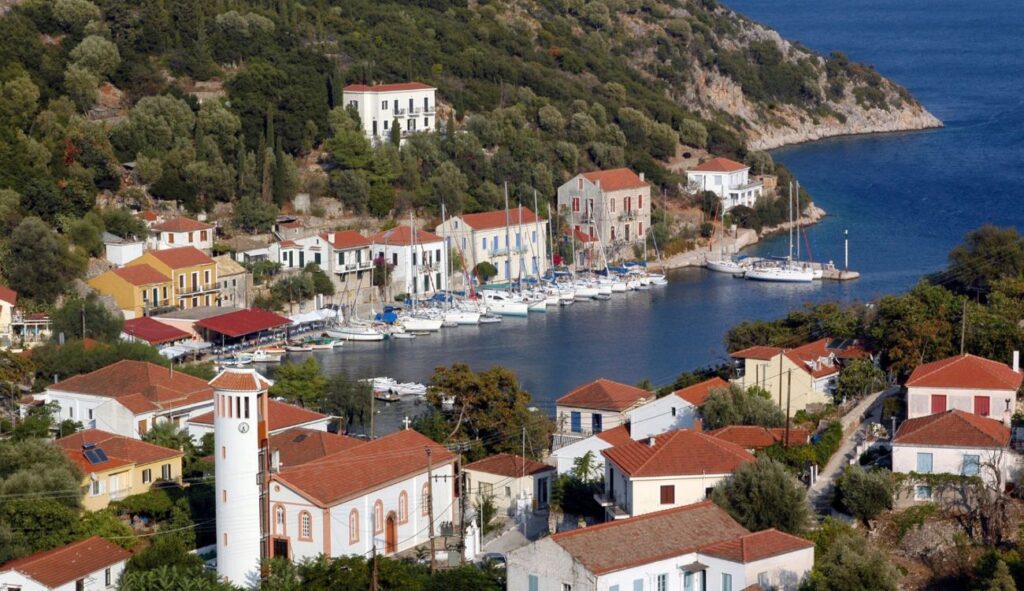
139, 386
120, 451
291, 224
719, 164
388, 87
579, 235
149, 215
627, 543
757, 437
8, 295
496, 219
402, 235
698, 393
510, 465
280, 416
67, 564
153, 331
345, 239
243, 322
815, 358
605, 394
182, 224
300, 446
288, 244
617, 436
141, 274
756, 546
953, 428
240, 380
349, 473
616, 179
178, 258
965, 371
678, 453
757, 352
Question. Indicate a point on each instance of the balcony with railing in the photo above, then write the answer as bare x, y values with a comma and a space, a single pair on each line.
607, 500
629, 215
119, 494
562, 438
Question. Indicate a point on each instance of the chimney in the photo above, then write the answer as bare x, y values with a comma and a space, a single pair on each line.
1016, 361
330, 236
698, 425
641, 176
275, 461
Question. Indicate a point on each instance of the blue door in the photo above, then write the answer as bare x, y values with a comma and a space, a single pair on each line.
575, 422
596, 423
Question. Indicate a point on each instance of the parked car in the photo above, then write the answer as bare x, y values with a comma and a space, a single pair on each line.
494, 559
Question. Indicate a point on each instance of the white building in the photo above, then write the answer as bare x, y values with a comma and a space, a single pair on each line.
119, 250
565, 457
678, 410
281, 417
378, 494
612, 206
692, 548
181, 231
410, 105
966, 382
595, 407
515, 242
514, 483
240, 433
344, 255
728, 179
419, 261
128, 397
673, 469
8, 301
92, 564
954, 442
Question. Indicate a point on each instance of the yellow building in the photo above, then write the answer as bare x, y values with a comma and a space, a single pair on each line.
136, 289
193, 275
116, 467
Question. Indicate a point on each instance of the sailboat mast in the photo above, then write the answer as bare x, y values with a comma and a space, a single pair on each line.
798, 220
536, 228
508, 242
519, 243
790, 222
412, 253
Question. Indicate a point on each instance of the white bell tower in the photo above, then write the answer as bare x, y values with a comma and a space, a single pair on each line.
240, 463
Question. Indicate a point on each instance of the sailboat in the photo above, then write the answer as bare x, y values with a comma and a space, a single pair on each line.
788, 271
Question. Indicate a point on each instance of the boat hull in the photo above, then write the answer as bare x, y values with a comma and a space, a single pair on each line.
780, 275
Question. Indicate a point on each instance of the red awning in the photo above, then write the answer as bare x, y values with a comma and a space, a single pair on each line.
152, 331
244, 322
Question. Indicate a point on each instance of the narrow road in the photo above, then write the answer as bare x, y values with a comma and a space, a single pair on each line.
855, 425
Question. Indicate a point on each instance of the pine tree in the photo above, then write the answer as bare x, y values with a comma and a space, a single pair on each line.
267, 185
1001, 579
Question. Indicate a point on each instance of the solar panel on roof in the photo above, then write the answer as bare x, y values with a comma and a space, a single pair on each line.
96, 456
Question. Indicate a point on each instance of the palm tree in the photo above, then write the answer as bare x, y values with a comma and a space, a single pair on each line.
167, 434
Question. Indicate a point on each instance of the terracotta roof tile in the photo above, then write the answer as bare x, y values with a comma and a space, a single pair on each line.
141, 274
626, 543
300, 445
616, 179
681, 452
496, 219
178, 258
953, 428
719, 164
605, 394
757, 437
510, 465
757, 352
349, 473
149, 215
182, 224
698, 393
153, 331
345, 239
240, 380
965, 371
142, 385
388, 87
756, 546
617, 436
402, 235
120, 450
8, 295
280, 415
242, 322
67, 564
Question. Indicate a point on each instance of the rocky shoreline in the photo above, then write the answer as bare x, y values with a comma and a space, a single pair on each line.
911, 118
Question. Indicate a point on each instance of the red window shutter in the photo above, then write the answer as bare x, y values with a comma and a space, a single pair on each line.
668, 494
938, 403
981, 406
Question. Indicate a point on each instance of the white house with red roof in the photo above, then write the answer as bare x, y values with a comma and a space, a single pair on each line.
677, 410
613, 206
373, 495
514, 241
728, 179
595, 407
800, 377
281, 417
954, 442
697, 547
565, 457
8, 301
410, 105
966, 382
419, 260
181, 231
665, 471
344, 255
92, 564
127, 398
515, 484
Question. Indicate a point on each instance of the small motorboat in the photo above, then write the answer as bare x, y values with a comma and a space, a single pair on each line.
268, 354
355, 333
386, 396
402, 335
490, 319
409, 389
297, 347
239, 360
320, 343
725, 266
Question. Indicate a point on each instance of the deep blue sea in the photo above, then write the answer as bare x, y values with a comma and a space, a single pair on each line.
905, 198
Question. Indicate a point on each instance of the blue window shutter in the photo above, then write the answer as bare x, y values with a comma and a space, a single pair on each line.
924, 463
575, 422
534, 583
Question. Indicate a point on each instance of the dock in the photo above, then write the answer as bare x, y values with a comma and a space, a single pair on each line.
839, 275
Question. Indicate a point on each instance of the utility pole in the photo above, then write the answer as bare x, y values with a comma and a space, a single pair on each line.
461, 483
430, 510
372, 399
789, 392
373, 569
963, 327
83, 320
